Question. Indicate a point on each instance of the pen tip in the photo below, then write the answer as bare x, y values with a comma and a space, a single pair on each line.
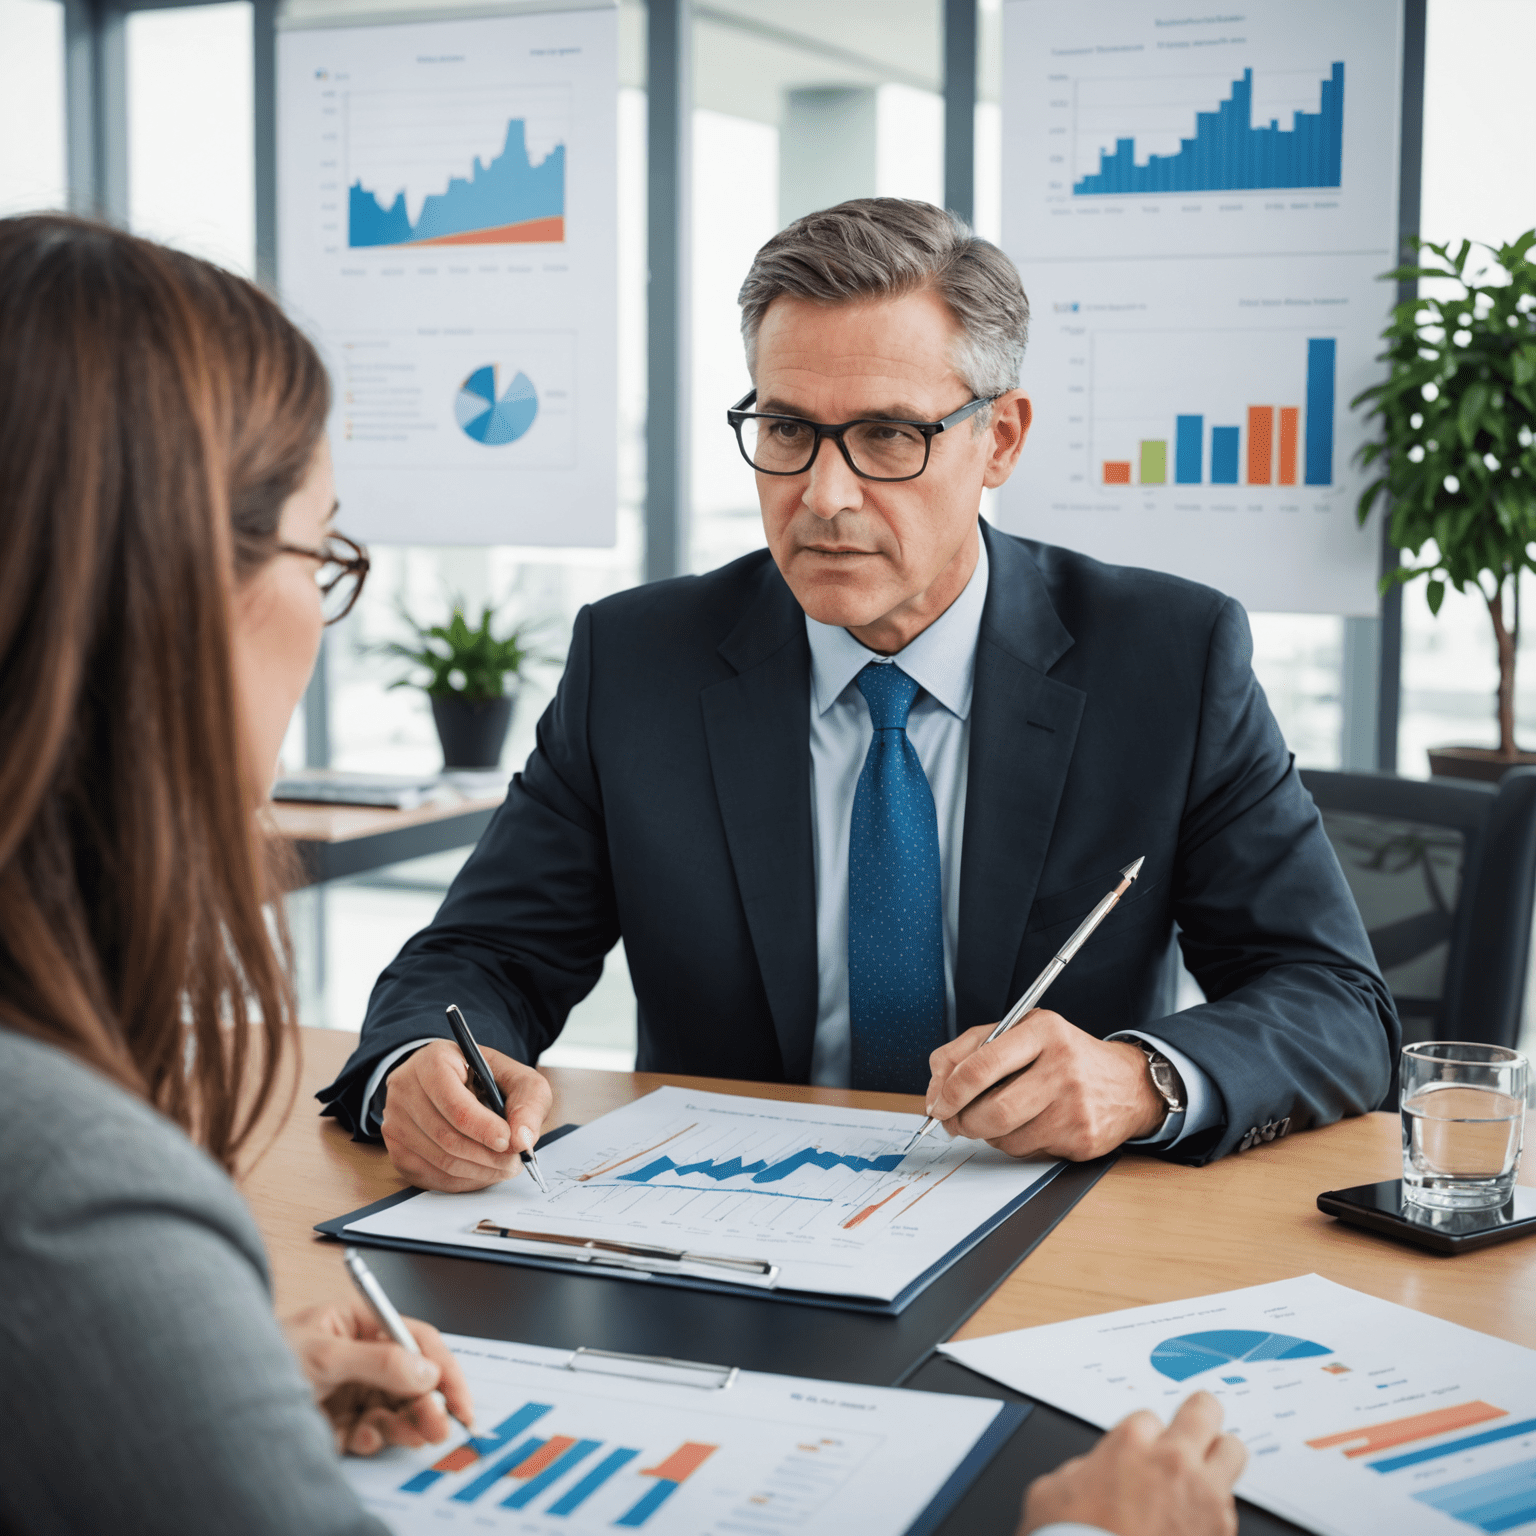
1132, 870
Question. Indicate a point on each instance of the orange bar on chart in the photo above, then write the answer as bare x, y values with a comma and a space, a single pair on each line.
1380, 1437
1261, 443
1117, 472
682, 1463
551, 1451
1290, 416
457, 1459
869, 1210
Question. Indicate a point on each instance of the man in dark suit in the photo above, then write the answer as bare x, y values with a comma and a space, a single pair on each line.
844, 798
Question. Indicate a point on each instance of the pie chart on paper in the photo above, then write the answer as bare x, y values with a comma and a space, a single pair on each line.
1191, 1353
490, 416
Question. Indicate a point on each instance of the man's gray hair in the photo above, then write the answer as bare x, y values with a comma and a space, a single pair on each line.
887, 247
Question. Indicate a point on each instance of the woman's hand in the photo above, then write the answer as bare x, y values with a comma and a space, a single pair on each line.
1144, 1480
374, 1392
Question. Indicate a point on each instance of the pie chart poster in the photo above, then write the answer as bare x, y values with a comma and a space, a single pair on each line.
447, 234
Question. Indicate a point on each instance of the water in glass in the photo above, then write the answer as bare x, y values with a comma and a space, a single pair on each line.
1461, 1144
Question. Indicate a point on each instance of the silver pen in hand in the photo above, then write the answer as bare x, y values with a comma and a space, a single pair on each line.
1057, 965
394, 1325
485, 1081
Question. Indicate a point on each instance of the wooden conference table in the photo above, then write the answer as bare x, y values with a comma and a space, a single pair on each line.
1147, 1232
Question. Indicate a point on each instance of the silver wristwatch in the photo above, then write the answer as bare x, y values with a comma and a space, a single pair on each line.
1165, 1077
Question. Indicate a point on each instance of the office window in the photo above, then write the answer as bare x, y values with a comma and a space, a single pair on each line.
817, 104
191, 166
32, 144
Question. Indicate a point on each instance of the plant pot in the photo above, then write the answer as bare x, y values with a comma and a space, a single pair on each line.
472, 731
1481, 763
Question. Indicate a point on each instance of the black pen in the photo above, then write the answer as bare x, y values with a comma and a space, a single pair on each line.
486, 1082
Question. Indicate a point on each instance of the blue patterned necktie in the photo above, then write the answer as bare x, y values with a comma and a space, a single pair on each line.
895, 907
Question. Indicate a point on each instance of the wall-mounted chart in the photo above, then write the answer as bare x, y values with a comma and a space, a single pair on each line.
444, 188
1201, 212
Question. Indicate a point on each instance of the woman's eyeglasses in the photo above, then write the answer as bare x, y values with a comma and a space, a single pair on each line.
342, 567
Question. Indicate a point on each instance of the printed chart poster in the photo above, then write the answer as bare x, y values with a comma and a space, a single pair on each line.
1202, 207
448, 235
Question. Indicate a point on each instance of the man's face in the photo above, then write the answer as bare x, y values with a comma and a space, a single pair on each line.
885, 557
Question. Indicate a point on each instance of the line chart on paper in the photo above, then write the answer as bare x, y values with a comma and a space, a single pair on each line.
824, 1193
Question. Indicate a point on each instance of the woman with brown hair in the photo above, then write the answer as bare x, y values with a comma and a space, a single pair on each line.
165, 507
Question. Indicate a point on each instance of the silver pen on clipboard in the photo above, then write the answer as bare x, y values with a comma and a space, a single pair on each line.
1058, 963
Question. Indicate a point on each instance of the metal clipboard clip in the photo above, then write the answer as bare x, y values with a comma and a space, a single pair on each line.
648, 1258
656, 1368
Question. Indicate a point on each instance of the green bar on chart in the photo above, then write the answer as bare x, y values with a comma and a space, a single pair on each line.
1154, 462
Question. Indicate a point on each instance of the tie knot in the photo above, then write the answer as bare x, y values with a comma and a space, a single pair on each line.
889, 692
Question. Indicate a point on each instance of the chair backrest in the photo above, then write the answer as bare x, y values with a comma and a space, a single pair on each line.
1444, 875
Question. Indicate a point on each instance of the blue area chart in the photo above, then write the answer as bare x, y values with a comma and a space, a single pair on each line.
506, 202
1228, 154
1191, 1353
762, 1171
494, 419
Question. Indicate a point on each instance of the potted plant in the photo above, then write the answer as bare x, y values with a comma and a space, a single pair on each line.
1457, 462
467, 669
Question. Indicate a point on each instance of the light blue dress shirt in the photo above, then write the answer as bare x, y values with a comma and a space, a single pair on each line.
942, 659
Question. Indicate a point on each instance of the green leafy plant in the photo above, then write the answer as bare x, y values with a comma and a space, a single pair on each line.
463, 661
1458, 420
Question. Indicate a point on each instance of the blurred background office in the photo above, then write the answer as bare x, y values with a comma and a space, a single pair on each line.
162, 114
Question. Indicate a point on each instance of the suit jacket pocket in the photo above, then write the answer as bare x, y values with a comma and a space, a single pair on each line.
1065, 909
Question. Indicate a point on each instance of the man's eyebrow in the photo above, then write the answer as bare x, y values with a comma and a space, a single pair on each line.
896, 412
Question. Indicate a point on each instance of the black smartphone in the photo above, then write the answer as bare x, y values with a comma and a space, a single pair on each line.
1382, 1208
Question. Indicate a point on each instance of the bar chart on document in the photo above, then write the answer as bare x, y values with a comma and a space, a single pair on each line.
575, 1450
1201, 208
448, 231
826, 1195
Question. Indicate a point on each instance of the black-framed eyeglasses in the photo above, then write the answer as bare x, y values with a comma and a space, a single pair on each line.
879, 448
340, 572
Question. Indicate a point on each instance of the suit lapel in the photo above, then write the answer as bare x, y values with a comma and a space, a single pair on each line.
1023, 728
757, 727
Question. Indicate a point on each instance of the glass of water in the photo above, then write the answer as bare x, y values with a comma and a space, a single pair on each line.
1463, 1118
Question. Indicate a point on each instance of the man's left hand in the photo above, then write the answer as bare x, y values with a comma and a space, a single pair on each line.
1080, 1098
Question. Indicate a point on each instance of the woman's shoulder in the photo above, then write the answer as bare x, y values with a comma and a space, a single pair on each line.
71, 1141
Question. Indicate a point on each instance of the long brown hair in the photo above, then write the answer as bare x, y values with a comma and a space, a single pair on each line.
155, 414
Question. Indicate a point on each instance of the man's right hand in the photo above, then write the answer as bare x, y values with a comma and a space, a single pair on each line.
440, 1136
1144, 1480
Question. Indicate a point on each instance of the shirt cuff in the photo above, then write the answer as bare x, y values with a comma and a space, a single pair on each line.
369, 1121
1073, 1527
1202, 1103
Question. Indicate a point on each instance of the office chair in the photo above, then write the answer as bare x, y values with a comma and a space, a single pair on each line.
1443, 873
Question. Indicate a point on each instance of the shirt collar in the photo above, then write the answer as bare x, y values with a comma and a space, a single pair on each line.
941, 660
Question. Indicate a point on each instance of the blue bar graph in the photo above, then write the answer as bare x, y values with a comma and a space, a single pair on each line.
764, 1172
497, 1469
1322, 356
1224, 455
1493, 1501
572, 1500
551, 1474
1188, 441
647, 1506
1455, 1447
472, 1450
1228, 154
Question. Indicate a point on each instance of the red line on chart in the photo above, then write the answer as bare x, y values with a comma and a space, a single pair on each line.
956, 1169
869, 1210
582, 1178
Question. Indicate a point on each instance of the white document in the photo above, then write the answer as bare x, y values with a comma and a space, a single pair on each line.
1201, 206
1360, 1417
822, 1193
577, 1451
448, 233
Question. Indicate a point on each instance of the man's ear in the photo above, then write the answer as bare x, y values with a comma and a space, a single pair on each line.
1012, 415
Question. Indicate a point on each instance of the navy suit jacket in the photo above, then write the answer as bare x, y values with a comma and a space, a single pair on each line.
1115, 714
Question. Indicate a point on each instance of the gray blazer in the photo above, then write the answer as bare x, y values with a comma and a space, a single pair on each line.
148, 1385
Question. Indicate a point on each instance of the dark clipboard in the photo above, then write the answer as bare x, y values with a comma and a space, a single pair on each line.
337, 1228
